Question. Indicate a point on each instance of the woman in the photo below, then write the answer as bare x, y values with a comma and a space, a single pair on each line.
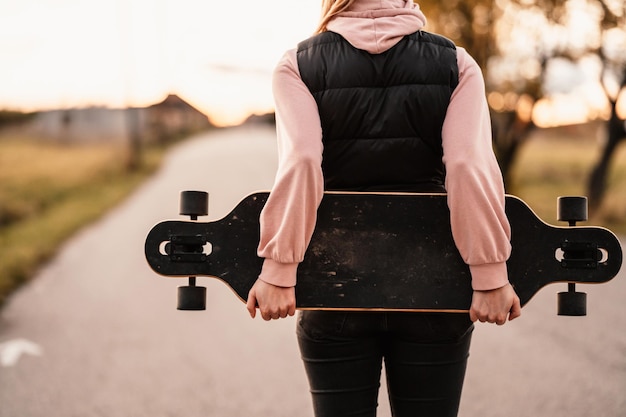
373, 103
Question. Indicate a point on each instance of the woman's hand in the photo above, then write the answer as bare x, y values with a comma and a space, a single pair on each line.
494, 306
273, 302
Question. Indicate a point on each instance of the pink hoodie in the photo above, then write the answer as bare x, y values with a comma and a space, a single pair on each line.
473, 179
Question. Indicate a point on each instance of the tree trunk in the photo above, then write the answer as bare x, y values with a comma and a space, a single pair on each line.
616, 132
134, 139
509, 133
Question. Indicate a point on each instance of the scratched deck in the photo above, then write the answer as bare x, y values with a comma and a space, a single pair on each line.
385, 251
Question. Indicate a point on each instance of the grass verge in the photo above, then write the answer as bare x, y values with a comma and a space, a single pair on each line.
48, 192
559, 162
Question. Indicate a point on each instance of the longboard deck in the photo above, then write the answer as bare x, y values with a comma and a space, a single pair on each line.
385, 251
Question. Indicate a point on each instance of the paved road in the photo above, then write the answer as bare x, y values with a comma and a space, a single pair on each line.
96, 333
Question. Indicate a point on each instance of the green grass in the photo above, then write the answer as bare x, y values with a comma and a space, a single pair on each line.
48, 192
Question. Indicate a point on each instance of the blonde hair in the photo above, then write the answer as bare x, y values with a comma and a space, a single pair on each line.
330, 9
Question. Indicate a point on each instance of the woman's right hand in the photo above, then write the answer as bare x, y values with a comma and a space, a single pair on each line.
272, 301
494, 306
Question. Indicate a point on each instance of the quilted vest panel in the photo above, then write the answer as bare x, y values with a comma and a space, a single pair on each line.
381, 114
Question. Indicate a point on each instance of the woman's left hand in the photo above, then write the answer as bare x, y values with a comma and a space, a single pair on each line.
272, 301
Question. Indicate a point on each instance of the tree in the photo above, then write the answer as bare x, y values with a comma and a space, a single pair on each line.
614, 69
480, 27
520, 43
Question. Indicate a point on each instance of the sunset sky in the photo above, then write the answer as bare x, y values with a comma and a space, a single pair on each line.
217, 55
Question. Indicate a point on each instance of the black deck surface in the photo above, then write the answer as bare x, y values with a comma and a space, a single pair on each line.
382, 251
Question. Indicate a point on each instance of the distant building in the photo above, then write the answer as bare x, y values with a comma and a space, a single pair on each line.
167, 120
171, 118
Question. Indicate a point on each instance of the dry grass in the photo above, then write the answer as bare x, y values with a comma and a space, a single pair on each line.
36, 175
559, 162
48, 192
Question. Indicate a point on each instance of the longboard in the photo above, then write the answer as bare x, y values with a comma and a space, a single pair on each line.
384, 251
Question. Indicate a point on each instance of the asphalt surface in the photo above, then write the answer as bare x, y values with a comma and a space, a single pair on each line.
96, 333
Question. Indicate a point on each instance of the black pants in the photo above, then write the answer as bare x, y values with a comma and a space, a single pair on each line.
425, 360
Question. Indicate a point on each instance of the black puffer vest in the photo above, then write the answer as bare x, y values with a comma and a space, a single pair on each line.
381, 114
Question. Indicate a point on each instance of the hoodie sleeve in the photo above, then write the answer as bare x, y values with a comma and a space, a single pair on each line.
474, 182
289, 216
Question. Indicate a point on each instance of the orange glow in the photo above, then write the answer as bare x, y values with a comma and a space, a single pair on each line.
496, 101
621, 104
524, 107
560, 110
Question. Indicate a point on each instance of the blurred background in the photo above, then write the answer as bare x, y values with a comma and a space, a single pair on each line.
96, 96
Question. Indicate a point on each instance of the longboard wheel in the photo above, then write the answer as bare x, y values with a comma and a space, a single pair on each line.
572, 209
191, 297
572, 303
194, 203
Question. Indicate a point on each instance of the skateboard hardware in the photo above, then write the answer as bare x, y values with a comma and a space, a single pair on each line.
186, 248
580, 255
383, 251
190, 249
573, 209
194, 204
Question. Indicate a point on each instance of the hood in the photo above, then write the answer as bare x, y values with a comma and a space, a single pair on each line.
377, 25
